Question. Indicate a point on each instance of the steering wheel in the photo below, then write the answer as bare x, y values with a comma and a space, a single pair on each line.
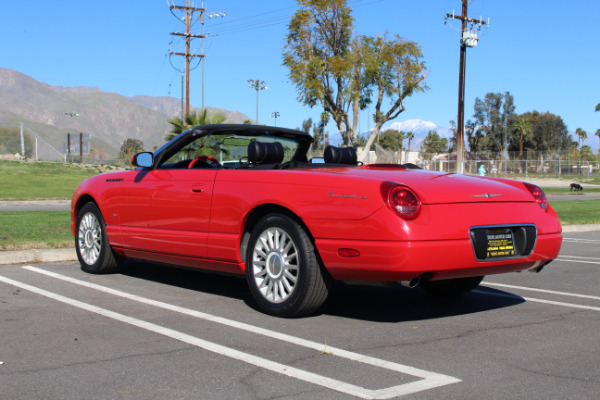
208, 160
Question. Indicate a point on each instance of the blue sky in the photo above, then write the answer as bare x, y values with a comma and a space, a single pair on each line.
546, 53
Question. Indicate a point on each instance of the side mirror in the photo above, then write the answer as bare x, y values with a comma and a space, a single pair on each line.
143, 160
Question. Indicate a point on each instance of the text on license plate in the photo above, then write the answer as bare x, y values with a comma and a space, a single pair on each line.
500, 243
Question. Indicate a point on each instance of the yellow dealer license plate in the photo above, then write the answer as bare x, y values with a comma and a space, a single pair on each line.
500, 243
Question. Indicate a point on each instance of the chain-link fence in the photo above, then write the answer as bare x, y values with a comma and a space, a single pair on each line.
19, 141
547, 163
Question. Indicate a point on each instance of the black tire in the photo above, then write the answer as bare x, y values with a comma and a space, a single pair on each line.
93, 250
283, 270
451, 287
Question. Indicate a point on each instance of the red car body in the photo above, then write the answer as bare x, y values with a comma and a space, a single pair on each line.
203, 217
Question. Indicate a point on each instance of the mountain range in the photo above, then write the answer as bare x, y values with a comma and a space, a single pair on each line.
50, 112
420, 129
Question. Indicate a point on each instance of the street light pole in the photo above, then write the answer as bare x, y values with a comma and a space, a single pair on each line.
275, 114
258, 85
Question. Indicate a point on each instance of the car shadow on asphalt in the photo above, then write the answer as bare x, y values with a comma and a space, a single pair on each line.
189, 278
400, 304
361, 302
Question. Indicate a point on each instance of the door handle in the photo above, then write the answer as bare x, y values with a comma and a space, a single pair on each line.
198, 188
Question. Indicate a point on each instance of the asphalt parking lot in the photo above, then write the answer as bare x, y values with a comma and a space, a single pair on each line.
156, 332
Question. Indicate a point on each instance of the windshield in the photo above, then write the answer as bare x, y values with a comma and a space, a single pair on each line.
231, 151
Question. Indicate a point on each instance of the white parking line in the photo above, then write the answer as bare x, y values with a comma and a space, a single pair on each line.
576, 240
530, 289
428, 379
534, 300
579, 259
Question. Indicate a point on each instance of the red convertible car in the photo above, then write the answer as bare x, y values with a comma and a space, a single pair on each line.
246, 199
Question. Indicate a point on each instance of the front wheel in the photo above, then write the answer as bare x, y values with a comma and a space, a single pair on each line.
93, 250
450, 287
283, 271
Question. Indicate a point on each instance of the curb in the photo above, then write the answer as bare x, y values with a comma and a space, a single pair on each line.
581, 228
32, 256
57, 255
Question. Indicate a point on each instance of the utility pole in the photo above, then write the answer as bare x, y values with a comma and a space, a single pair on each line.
188, 38
468, 38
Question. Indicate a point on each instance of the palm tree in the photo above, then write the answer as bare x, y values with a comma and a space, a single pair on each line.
193, 119
598, 134
410, 136
582, 135
524, 128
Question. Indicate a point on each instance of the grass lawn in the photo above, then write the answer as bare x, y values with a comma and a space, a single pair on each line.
42, 180
51, 229
565, 190
577, 211
35, 230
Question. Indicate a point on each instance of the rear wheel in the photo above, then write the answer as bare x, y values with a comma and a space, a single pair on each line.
450, 287
93, 250
283, 271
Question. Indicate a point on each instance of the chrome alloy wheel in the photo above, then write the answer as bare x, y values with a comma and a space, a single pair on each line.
90, 238
275, 265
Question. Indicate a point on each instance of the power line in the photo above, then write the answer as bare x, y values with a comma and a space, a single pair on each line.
245, 23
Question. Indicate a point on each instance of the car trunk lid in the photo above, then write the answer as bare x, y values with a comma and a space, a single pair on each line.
445, 188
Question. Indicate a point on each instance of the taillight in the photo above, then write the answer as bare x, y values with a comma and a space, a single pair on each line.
402, 200
538, 195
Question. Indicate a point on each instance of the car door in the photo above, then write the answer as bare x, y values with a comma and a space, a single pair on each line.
167, 210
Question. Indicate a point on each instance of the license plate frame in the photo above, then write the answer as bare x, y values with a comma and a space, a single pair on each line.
502, 242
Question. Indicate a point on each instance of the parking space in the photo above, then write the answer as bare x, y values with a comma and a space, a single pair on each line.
158, 332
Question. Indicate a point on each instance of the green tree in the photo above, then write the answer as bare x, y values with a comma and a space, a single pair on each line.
597, 107
340, 72
495, 115
391, 139
410, 136
523, 127
394, 70
586, 152
306, 125
598, 134
475, 136
362, 141
318, 134
130, 147
190, 120
319, 58
548, 133
434, 144
581, 134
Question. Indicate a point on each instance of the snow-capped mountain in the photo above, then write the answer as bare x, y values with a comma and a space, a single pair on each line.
418, 127
412, 125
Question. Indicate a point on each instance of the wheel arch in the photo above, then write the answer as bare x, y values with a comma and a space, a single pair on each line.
84, 199
256, 214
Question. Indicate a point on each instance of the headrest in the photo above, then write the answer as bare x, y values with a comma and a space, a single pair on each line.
340, 155
265, 153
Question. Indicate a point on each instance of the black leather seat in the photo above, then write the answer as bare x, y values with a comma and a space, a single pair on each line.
340, 155
261, 153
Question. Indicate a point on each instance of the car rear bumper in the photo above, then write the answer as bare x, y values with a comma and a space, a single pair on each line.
406, 260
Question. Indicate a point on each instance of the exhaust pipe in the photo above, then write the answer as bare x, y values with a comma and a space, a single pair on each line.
412, 283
